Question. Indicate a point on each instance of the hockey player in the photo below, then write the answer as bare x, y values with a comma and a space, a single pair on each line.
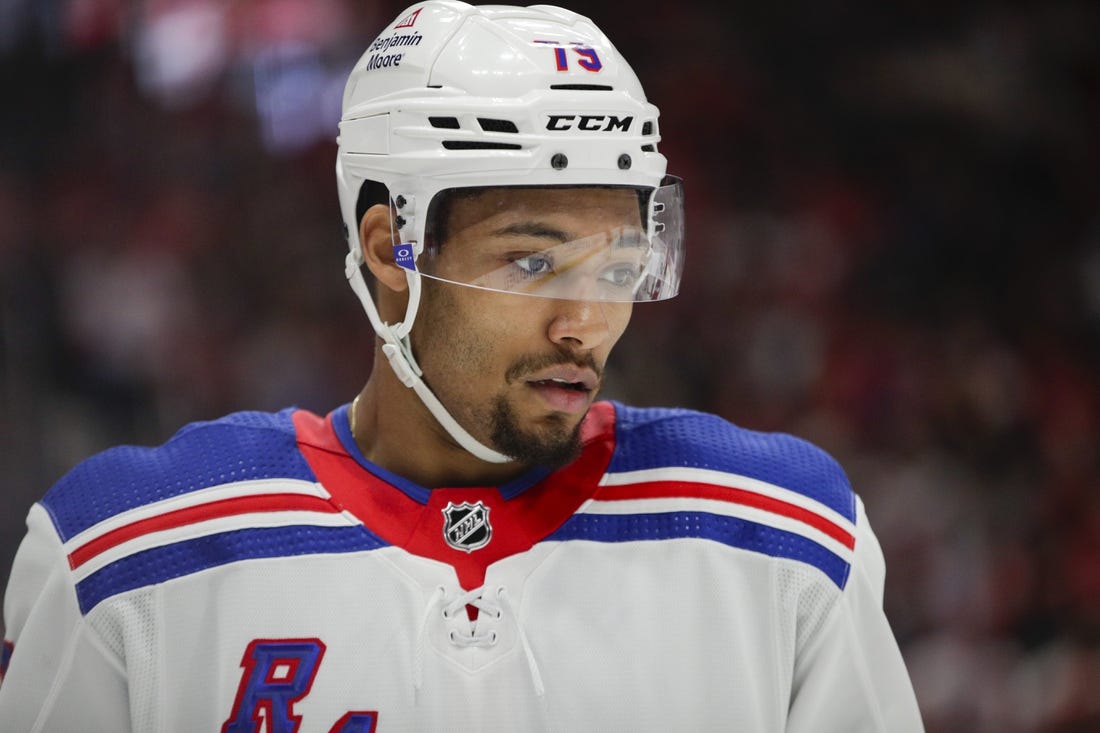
473, 544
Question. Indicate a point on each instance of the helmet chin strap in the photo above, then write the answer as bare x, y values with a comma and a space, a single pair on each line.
398, 350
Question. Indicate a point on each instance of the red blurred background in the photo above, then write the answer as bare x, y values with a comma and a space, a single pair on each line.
894, 251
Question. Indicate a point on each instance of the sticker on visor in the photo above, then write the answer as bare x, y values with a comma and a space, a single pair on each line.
403, 255
593, 255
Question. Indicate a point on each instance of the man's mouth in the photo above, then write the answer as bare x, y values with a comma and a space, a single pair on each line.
561, 383
566, 376
565, 388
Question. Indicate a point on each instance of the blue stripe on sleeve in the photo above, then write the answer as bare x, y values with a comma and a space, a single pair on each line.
176, 560
729, 531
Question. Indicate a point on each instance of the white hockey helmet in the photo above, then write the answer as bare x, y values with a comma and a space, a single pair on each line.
453, 96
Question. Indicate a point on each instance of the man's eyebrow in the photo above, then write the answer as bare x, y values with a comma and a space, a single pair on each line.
535, 229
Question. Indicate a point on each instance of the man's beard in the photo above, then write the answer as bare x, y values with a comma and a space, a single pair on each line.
555, 446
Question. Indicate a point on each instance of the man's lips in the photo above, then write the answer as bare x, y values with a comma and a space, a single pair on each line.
564, 388
565, 376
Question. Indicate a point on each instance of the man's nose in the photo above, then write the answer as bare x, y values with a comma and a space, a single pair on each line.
579, 324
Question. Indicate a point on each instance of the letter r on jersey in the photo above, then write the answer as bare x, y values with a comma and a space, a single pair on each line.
277, 673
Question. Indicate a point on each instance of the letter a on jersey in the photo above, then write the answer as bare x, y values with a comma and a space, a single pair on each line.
356, 722
277, 673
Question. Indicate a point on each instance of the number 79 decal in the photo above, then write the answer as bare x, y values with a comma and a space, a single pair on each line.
589, 59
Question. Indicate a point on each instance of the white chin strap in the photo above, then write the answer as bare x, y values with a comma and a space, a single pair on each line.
398, 350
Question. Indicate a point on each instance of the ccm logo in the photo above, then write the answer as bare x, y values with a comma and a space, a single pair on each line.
589, 123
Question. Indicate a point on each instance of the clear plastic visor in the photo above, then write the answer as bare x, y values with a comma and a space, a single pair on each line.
593, 243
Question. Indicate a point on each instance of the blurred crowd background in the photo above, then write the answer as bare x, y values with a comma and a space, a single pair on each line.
894, 251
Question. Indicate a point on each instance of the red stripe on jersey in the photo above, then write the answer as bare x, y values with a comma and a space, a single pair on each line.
200, 513
689, 490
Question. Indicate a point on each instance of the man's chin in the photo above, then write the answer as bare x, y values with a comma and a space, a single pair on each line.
551, 439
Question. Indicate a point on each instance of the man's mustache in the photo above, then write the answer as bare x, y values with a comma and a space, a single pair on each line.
534, 363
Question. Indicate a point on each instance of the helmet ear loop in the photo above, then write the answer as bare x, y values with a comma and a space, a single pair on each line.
395, 336
405, 254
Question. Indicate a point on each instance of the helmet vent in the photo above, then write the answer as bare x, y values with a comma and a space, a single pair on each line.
479, 145
489, 125
647, 127
447, 123
583, 87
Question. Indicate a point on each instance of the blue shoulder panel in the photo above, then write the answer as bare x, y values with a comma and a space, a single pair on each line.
240, 447
649, 438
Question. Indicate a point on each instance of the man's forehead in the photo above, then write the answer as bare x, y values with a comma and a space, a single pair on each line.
607, 206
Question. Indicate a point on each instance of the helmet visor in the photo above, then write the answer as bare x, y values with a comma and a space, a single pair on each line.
616, 244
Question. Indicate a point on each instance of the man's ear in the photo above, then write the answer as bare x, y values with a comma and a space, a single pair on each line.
376, 239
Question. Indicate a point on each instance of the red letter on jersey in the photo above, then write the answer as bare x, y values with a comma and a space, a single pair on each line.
277, 674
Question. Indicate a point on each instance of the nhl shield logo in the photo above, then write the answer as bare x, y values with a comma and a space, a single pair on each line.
466, 526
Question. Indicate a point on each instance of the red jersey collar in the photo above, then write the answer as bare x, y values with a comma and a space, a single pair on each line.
509, 518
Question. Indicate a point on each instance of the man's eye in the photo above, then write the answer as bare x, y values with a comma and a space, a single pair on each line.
535, 264
622, 276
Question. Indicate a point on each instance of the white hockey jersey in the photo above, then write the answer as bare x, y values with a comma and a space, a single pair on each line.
257, 573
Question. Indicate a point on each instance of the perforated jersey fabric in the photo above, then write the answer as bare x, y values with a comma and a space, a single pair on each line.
651, 438
257, 573
240, 447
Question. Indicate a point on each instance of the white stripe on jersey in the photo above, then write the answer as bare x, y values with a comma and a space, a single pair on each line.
199, 527
723, 508
195, 530
237, 490
731, 480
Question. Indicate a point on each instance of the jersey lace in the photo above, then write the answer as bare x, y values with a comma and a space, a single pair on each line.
474, 629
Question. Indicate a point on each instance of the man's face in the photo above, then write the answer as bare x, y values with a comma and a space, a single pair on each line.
519, 372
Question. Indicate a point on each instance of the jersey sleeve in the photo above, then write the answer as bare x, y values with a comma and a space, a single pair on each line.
850, 677
60, 675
